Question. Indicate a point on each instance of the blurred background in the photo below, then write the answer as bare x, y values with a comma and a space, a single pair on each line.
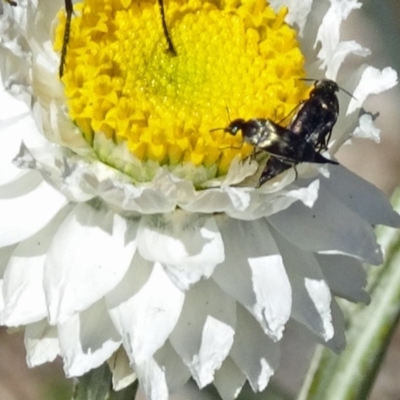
375, 26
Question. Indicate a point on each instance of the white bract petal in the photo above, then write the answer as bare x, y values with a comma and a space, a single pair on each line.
352, 191
258, 361
320, 295
176, 372
338, 342
162, 375
343, 49
373, 81
311, 295
204, 334
329, 35
189, 245
83, 267
298, 11
171, 272
367, 129
26, 206
12, 129
152, 380
87, 340
229, 380
5, 254
41, 343
145, 308
253, 274
23, 290
317, 229
346, 277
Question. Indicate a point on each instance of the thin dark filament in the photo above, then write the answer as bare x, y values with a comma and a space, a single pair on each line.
171, 48
69, 10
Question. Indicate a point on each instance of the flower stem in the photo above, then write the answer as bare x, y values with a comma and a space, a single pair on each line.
96, 385
351, 375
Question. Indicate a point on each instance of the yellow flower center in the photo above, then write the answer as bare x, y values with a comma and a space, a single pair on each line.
124, 89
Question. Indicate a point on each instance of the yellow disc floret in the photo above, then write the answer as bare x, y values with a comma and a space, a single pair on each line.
235, 59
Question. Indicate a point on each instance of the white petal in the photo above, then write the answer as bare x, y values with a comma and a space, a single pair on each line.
41, 343
26, 206
11, 134
229, 380
144, 307
311, 294
23, 281
346, 277
189, 245
342, 50
319, 293
12, 108
373, 81
253, 352
329, 30
360, 196
142, 199
367, 129
216, 341
66, 173
239, 198
253, 273
176, 373
298, 11
5, 255
249, 203
278, 196
212, 200
338, 342
238, 171
204, 334
152, 380
88, 257
122, 373
87, 340
334, 229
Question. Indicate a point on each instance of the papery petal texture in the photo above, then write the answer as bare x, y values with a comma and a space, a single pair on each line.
82, 268
172, 270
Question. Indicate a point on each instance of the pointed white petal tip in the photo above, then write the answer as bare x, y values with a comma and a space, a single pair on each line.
307, 195
145, 308
366, 129
320, 295
273, 294
41, 343
229, 380
217, 340
265, 375
373, 81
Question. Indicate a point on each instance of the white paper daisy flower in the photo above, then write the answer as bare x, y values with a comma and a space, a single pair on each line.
132, 234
